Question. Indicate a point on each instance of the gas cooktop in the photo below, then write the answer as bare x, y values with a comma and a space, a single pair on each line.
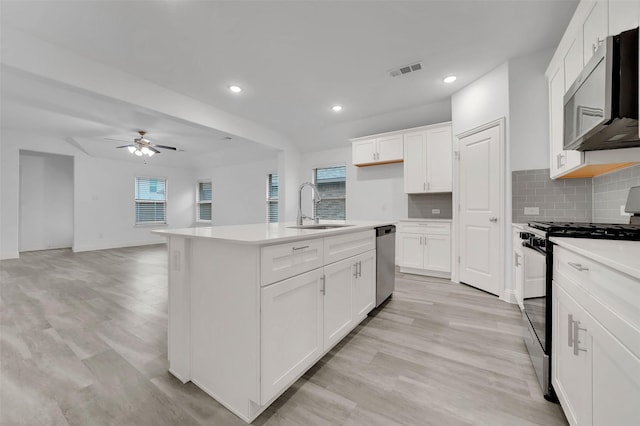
609, 231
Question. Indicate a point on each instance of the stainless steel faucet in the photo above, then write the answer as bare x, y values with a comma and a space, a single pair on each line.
316, 200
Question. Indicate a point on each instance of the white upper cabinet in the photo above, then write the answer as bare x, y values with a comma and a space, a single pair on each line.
623, 15
428, 160
572, 63
383, 149
595, 29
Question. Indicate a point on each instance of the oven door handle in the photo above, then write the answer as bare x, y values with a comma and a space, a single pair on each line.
538, 249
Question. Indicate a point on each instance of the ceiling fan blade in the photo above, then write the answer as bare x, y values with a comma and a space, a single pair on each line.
125, 146
118, 140
166, 147
154, 150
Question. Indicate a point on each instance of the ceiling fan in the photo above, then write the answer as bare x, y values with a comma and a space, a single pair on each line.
142, 146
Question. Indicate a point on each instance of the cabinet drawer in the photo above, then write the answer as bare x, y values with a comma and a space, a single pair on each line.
610, 296
347, 245
439, 228
286, 260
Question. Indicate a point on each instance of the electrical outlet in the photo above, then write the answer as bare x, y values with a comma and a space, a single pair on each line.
532, 211
623, 213
435, 211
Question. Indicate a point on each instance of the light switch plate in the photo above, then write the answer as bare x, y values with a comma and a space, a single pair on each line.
531, 211
435, 211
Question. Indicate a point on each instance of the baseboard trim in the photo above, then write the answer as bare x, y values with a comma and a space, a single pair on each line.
426, 272
6, 255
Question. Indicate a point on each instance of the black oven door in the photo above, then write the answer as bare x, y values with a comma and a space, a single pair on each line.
534, 290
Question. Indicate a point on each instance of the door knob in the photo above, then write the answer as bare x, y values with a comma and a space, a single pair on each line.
493, 219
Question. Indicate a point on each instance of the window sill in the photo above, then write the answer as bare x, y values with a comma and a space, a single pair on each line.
146, 225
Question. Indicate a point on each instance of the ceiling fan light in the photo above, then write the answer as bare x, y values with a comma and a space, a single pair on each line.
145, 150
138, 153
131, 149
150, 153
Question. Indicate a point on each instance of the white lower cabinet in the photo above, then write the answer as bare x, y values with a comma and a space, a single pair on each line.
292, 315
596, 342
425, 248
303, 317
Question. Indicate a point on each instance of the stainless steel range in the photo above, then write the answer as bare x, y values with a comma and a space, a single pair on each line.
537, 293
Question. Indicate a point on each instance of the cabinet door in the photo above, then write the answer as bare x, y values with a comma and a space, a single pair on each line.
415, 163
439, 160
288, 347
364, 286
556, 126
390, 148
437, 252
615, 380
623, 15
573, 62
570, 371
411, 250
363, 152
338, 297
595, 29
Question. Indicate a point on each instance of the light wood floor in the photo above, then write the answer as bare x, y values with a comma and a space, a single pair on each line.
83, 342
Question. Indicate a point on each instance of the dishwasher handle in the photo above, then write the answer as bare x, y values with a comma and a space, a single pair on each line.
381, 231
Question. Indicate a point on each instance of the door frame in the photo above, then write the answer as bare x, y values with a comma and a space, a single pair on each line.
504, 214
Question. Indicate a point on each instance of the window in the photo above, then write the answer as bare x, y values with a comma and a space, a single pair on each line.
272, 198
203, 213
331, 183
151, 200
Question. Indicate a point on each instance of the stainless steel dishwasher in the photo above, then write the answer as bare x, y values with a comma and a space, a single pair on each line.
385, 262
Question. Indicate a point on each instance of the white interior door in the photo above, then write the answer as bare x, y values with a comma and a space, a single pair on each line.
479, 188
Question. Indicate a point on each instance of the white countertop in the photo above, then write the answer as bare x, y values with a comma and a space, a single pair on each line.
623, 256
268, 233
426, 220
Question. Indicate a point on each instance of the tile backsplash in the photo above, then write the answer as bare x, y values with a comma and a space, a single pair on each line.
610, 191
566, 200
421, 206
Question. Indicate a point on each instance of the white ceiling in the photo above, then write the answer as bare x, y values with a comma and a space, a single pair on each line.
294, 59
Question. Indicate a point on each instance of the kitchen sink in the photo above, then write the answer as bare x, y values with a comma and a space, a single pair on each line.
320, 226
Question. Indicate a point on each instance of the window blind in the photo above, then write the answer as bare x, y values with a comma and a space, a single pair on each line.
272, 198
331, 183
205, 195
151, 200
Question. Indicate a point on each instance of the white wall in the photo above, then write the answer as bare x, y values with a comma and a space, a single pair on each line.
529, 111
104, 210
239, 191
46, 201
483, 101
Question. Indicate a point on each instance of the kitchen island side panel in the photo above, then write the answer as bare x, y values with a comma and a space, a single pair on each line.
225, 323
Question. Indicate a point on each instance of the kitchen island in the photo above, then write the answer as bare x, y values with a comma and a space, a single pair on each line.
253, 307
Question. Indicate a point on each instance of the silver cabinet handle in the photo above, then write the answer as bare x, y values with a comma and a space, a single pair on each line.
355, 270
424, 186
421, 241
322, 287
428, 186
299, 248
560, 157
516, 259
493, 219
570, 330
360, 268
578, 266
576, 338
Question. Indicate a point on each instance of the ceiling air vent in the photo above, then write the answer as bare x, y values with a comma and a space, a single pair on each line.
406, 69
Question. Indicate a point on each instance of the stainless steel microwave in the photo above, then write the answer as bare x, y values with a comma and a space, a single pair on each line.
601, 106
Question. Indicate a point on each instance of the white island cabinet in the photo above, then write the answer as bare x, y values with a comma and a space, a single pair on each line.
252, 307
596, 330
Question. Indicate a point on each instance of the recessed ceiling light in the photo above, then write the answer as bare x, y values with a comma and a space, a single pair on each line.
235, 89
449, 79
336, 108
